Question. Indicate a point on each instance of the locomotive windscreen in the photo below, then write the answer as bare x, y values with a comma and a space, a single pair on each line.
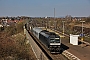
54, 40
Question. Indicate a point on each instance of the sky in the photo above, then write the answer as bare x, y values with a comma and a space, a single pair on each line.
42, 8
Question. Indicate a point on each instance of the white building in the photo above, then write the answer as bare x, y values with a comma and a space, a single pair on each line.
74, 39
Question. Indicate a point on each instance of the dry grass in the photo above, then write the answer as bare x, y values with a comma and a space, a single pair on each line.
15, 48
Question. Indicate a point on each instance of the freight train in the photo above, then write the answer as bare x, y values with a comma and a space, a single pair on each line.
50, 40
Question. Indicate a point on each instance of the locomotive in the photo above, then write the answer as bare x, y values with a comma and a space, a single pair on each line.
49, 39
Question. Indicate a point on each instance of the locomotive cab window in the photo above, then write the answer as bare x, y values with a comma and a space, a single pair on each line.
54, 40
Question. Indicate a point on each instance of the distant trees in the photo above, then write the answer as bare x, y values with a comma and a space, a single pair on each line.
14, 28
10, 30
19, 27
88, 20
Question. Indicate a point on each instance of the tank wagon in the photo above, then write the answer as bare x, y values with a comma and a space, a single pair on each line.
49, 39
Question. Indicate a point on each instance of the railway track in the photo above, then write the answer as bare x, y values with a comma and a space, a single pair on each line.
52, 56
59, 57
46, 51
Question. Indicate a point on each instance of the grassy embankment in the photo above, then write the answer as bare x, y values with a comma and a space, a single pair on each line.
13, 44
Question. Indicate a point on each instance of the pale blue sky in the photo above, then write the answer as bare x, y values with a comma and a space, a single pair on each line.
42, 8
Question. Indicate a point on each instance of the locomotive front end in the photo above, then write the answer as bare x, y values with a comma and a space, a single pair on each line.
55, 45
